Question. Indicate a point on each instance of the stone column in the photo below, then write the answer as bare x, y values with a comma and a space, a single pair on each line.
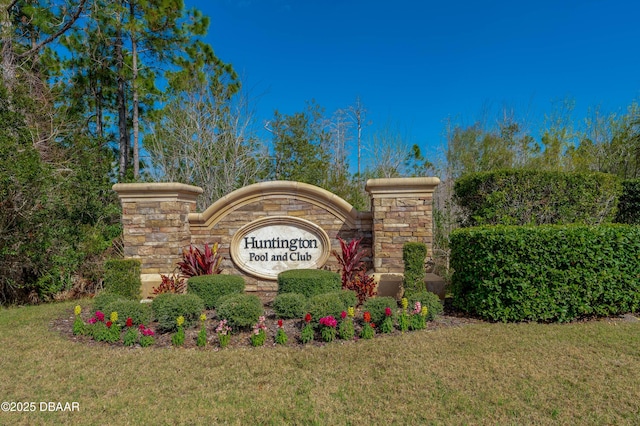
402, 212
155, 226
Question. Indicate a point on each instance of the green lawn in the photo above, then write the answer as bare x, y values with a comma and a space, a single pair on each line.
513, 374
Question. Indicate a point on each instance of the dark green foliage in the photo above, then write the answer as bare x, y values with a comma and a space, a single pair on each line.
349, 297
290, 305
240, 310
308, 282
140, 313
167, 307
122, 276
629, 206
414, 255
104, 299
323, 305
546, 273
428, 299
535, 197
376, 307
211, 288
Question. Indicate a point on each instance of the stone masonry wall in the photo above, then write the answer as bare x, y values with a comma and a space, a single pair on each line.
159, 220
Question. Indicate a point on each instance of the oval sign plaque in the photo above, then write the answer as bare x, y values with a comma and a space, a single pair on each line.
270, 245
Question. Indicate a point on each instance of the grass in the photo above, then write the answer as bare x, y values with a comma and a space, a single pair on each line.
582, 373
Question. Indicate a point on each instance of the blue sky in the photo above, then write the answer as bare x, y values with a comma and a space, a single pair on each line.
414, 64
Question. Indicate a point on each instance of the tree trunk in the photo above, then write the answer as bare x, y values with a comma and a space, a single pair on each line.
134, 90
121, 101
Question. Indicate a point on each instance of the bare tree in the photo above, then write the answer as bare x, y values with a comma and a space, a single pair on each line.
205, 138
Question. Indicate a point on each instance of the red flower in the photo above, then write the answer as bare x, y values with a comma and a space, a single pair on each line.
307, 318
280, 323
373, 325
109, 324
129, 322
387, 311
367, 317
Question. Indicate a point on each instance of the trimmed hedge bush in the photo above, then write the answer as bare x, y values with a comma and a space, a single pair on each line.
428, 299
414, 255
122, 276
376, 307
240, 310
103, 299
325, 304
629, 206
211, 287
546, 273
308, 282
290, 305
167, 307
535, 197
349, 297
140, 313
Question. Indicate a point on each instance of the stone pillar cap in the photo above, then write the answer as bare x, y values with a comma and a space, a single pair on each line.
402, 186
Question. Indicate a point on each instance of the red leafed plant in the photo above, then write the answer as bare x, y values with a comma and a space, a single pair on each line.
354, 275
195, 262
170, 284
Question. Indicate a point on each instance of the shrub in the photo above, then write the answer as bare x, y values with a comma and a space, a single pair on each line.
429, 300
536, 197
546, 273
414, 255
240, 310
353, 270
122, 276
195, 262
167, 307
103, 299
348, 297
140, 313
325, 305
170, 284
308, 282
211, 287
629, 206
376, 307
290, 305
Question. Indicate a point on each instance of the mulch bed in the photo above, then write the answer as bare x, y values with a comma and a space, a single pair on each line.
292, 327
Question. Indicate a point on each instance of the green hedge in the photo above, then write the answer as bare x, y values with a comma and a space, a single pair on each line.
308, 282
534, 197
122, 276
103, 299
167, 307
546, 273
290, 305
629, 206
376, 306
240, 310
211, 287
428, 299
140, 313
414, 255
322, 305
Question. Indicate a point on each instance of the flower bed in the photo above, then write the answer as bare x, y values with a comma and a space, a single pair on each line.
347, 329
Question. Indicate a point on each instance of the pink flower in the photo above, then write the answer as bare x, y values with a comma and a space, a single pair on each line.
387, 311
148, 332
92, 320
417, 308
99, 316
141, 327
343, 314
329, 321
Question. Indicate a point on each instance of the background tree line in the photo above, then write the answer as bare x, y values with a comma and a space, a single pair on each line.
96, 92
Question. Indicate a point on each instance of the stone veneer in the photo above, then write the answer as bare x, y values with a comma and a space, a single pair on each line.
159, 220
